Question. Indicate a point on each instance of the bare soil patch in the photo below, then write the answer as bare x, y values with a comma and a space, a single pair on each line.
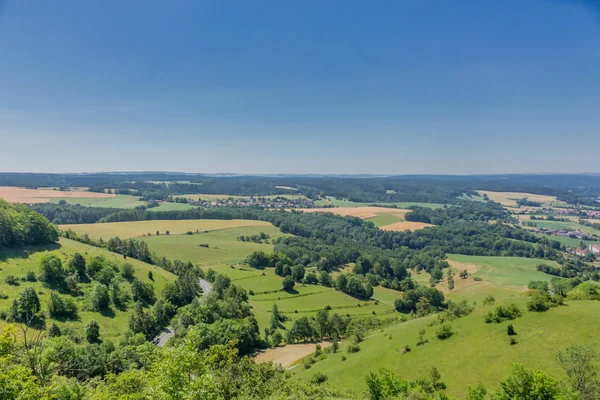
458, 282
359, 212
405, 225
289, 354
31, 196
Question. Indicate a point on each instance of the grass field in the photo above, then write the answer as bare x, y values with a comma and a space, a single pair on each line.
140, 228
505, 271
117, 201
167, 206
112, 324
332, 201
569, 242
478, 352
508, 199
385, 219
566, 225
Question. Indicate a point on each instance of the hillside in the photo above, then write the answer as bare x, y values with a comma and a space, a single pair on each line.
478, 352
113, 322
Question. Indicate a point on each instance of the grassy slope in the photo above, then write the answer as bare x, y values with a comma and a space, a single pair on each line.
19, 262
566, 241
505, 271
478, 352
139, 228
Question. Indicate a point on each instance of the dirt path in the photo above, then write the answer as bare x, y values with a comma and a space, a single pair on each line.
289, 354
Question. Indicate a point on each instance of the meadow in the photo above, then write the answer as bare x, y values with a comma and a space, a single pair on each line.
116, 201
113, 323
141, 228
505, 271
508, 199
477, 352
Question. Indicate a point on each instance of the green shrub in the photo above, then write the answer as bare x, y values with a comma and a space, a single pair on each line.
319, 378
444, 332
501, 313
11, 280
353, 348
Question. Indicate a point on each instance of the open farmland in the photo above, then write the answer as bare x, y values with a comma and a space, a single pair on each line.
113, 322
32, 196
114, 201
405, 226
141, 228
508, 199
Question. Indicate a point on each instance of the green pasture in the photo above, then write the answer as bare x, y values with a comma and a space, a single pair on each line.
118, 201
477, 352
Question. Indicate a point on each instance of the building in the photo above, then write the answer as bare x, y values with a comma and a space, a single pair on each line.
594, 248
581, 252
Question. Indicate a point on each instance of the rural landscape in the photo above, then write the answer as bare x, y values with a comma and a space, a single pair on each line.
343, 287
299, 200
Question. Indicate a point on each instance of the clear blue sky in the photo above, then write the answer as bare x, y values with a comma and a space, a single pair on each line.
396, 87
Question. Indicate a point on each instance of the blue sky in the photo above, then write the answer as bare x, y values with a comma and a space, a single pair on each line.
394, 87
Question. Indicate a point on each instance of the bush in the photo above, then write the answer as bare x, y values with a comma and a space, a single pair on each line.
538, 303
98, 297
477, 279
353, 348
510, 330
127, 271
11, 280
501, 313
30, 277
61, 306
51, 269
319, 378
3, 296
444, 332
489, 300
92, 331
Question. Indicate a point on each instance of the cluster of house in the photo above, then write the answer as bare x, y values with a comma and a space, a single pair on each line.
564, 233
278, 202
593, 249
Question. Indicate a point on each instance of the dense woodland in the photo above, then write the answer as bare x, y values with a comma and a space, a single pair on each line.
574, 189
19, 225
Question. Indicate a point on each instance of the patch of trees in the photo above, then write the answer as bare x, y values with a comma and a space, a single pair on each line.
503, 313
72, 214
21, 226
421, 300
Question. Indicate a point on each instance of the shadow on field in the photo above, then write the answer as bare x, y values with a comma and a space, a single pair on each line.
25, 252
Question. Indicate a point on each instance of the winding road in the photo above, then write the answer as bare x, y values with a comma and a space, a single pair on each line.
168, 333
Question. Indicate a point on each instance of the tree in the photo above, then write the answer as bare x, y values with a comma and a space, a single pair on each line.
580, 363
450, 282
275, 317
51, 269
463, 274
288, 283
61, 306
92, 331
77, 264
324, 278
98, 297
54, 330
26, 306
127, 271
311, 278
276, 339
298, 272
322, 323
523, 384
150, 276
258, 259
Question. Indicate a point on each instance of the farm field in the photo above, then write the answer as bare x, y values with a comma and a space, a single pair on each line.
508, 199
566, 241
116, 201
168, 206
405, 226
31, 196
113, 324
505, 271
390, 219
140, 228
474, 344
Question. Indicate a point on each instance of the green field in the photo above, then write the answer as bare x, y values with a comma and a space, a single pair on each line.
119, 201
566, 241
478, 352
113, 324
566, 225
385, 219
505, 271
167, 206
332, 201
223, 246
141, 228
